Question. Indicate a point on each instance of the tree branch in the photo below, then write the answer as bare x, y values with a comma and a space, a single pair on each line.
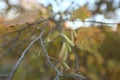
100, 22
22, 57
47, 56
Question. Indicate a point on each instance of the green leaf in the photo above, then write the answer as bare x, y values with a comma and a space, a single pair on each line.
66, 65
67, 39
64, 52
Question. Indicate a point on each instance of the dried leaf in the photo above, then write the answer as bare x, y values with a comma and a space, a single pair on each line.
26, 17
89, 39
82, 13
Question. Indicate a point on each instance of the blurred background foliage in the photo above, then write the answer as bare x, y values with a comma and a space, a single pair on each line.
97, 47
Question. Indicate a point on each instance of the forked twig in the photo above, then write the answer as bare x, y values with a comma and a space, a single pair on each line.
22, 57
47, 56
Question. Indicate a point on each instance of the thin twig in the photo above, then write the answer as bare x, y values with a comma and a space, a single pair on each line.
77, 63
47, 56
22, 57
74, 75
100, 22
79, 75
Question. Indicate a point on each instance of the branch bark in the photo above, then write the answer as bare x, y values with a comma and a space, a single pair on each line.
22, 57
47, 56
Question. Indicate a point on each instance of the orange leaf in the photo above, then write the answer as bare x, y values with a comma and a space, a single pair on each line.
26, 17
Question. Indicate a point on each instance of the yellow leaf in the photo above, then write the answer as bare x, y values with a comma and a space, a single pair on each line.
89, 39
81, 13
